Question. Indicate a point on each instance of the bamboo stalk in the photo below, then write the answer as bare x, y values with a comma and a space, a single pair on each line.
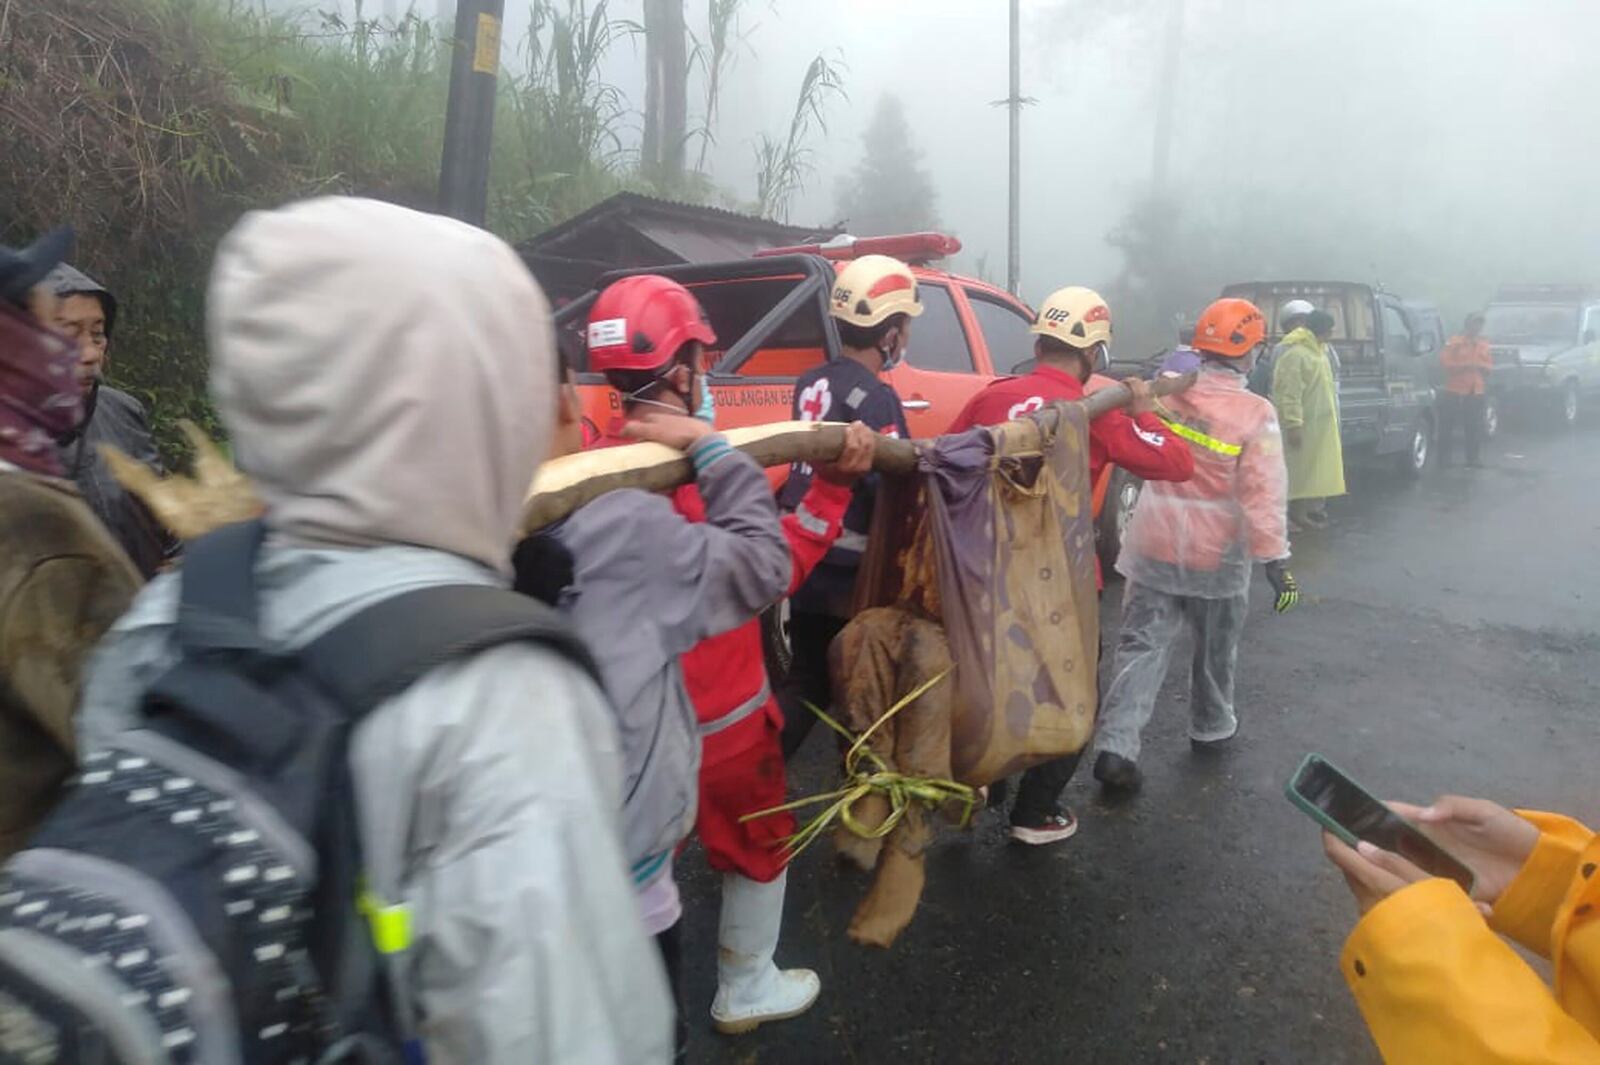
565, 484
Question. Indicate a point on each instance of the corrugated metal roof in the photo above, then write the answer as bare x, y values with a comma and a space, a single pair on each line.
672, 224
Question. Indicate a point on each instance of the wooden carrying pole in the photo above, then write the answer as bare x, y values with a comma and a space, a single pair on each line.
565, 484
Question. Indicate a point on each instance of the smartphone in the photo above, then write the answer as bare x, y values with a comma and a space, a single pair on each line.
1351, 813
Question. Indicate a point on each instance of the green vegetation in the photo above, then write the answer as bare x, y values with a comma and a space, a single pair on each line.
152, 125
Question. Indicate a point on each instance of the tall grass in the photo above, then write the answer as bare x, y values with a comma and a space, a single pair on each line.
151, 125
784, 164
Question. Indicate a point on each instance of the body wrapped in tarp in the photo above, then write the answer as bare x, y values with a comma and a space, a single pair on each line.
983, 562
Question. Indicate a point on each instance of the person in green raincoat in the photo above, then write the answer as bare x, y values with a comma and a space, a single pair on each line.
1308, 411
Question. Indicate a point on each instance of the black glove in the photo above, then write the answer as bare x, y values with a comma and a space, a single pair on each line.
1283, 583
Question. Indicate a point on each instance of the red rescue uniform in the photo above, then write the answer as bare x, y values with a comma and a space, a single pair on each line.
741, 724
1143, 446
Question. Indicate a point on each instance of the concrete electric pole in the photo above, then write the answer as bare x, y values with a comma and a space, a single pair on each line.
469, 116
1014, 199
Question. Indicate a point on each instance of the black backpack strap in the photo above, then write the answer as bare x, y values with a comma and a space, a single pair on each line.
217, 604
385, 648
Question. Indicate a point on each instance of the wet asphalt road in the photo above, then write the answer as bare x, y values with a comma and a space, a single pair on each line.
1449, 641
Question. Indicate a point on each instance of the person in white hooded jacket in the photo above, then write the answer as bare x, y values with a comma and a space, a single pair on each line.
385, 377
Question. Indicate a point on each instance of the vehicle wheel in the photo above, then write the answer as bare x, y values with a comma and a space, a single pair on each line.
1414, 459
1121, 498
1570, 409
777, 646
1491, 417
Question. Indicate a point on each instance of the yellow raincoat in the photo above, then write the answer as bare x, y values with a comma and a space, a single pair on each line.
1437, 986
1302, 390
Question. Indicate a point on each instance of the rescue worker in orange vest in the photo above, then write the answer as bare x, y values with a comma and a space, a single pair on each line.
649, 336
1190, 546
1074, 336
1466, 359
872, 304
1431, 968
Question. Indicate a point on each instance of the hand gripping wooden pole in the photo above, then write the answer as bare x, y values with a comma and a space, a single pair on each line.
565, 484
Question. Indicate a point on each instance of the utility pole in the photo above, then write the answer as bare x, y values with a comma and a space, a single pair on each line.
1167, 98
1015, 103
469, 117
1014, 200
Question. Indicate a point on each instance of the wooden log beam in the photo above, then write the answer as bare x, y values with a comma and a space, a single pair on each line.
565, 484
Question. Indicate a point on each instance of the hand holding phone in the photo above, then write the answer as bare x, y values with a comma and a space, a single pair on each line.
1494, 842
1354, 816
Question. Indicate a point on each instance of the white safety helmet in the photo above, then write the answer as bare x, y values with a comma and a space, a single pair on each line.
1078, 317
873, 289
1295, 309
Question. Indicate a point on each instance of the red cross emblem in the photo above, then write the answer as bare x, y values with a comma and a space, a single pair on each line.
1027, 406
815, 401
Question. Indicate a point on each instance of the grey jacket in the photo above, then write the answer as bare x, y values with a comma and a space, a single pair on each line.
647, 586
488, 795
116, 418
112, 417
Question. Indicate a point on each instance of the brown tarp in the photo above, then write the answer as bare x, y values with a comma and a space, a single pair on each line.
983, 561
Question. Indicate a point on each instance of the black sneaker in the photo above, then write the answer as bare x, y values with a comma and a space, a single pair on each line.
1116, 773
1052, 828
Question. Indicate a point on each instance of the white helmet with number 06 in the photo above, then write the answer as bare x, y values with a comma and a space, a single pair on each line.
873, 289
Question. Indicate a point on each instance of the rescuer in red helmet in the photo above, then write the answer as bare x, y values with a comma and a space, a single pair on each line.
649, 336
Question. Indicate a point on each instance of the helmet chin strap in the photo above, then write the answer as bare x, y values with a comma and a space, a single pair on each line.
661, 379
891, 357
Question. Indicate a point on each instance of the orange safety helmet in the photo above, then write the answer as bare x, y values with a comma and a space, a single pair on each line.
1231, 328
640, 323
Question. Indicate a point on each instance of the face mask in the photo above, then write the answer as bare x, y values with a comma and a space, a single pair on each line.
708, 407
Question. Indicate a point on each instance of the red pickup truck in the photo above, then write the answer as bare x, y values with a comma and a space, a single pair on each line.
770, 314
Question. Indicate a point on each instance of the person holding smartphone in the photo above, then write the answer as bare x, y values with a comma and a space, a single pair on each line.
1430, 966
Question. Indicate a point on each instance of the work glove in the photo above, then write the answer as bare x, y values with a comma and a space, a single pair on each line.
1283, 583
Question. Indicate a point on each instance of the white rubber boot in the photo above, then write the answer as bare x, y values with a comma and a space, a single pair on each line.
751, 990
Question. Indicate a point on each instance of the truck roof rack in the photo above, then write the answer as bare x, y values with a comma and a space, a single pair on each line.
1552, 292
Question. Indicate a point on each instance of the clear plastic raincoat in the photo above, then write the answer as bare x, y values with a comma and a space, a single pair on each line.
1200, 537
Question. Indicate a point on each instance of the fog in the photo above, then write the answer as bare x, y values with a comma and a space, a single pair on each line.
1439, 147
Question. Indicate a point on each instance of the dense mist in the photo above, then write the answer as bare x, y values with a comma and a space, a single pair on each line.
1439, 147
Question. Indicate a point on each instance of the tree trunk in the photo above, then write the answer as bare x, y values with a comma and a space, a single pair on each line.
666, 97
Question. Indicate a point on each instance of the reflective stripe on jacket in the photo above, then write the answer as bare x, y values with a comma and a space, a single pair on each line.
1436, 984
1199, 537
1143, 446
648, 587
726, 675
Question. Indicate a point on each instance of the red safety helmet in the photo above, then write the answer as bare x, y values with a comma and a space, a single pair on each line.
640, 322
1231, 328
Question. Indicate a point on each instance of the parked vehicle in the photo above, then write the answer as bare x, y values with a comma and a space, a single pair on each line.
770, 313
1545, 340
1387, 348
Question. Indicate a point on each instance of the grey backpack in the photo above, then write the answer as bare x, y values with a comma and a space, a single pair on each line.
197, 895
